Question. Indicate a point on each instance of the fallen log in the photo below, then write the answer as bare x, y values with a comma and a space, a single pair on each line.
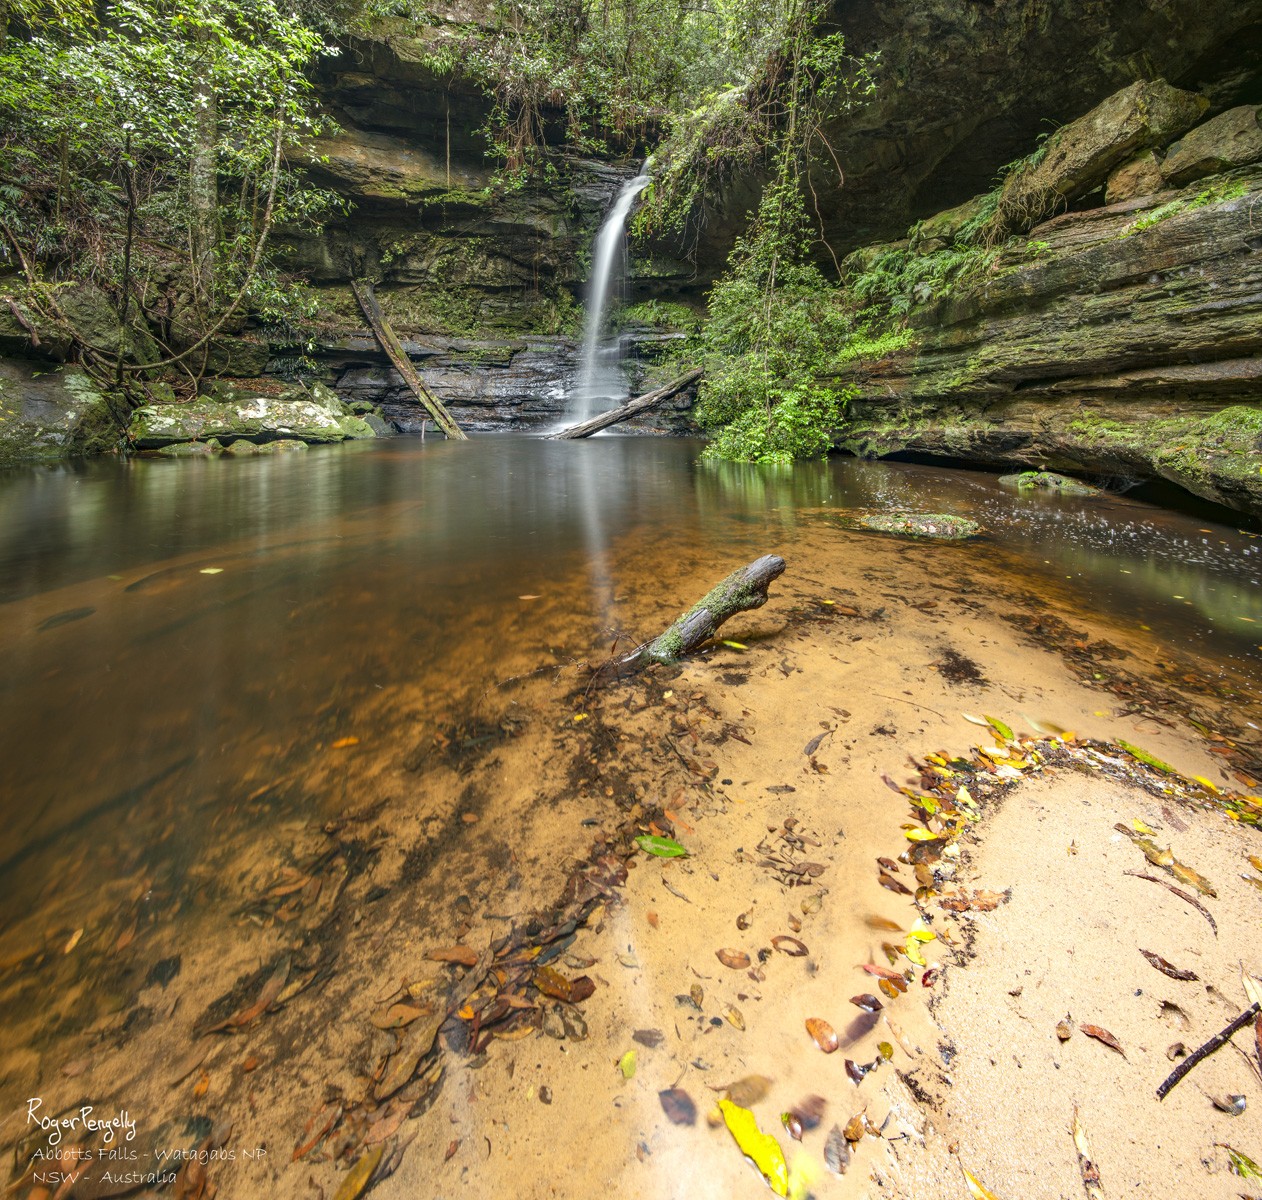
389, 342
739, 592
630, 409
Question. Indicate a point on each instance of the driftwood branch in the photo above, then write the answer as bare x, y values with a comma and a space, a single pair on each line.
630, 409
1217, 1042
739, 592
388, 340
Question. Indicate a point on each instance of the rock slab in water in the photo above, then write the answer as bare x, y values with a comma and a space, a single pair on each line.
942, 526
1048, 481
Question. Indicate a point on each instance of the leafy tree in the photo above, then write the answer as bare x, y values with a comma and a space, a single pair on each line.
144, 152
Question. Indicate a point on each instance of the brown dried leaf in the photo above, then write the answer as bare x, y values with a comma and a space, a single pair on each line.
465, 956
678, 1106
823, 1034
1167, 968
1064, 1029
1103, 1035
397, 1016
738, 960
855, 1071
790, 946
836, 1152
866, 1001
745, 1092
856, 1127
888, 881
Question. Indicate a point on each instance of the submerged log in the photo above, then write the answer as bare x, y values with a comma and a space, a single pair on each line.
388, 340
629, 409
739, 592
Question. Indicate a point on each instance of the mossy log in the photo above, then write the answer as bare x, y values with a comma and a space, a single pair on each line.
388, 340
630, 409
739, 592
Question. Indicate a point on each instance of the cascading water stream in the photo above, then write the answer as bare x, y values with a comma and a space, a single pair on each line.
599, 382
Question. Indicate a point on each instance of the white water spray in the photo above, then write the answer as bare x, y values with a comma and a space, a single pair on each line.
600, 383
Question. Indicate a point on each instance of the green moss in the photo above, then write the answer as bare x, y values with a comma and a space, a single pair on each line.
660, 314
1216, 194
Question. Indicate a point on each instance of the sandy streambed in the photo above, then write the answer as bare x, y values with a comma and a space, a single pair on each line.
468, 883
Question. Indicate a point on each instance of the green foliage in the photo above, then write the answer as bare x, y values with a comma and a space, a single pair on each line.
1224, 190
898, 279
660, 314
775, 326
102, 120
788, 76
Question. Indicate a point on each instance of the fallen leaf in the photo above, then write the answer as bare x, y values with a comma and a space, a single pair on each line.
836, 1152
976, 1190
1167, 968
1176, 1050
875, 922
738, 960
867, 1002
881, 972
887, 880
1185, 874
789, 945
626, 1064
73, 942
342, 743
1150, 760
651, 918
761, 1147
356, 1179
1233, 1106
397, 1016
678, 1106
744, 921
464, 956
746, 1091
823, 1034
652, 1038
660, 847
1103, 1035
792, 1125
696, 994
885, 1050
1064, 1029
452, 1147
734, 1018
855, 1071
1003, 730
1086, 1165
202, 1086
1241, 1164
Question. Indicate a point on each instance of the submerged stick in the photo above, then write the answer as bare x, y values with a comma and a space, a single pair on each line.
1217, 1042
629, 409
739, 592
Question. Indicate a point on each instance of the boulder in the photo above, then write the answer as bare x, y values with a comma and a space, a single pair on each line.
1232, 139
1080, 156
1048, 481
1141, 176
944, 228
313, 418
50, 414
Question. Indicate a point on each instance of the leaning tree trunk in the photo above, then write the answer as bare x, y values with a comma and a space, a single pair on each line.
739, 592
204, 197
388, 340
629, 409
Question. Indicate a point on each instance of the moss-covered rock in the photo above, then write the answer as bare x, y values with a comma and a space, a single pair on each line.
48, 413
938, 526
314, 418
1048, 481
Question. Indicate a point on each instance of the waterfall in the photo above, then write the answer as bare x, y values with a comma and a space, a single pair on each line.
599, 382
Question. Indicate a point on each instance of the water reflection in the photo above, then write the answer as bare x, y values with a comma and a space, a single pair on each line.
176, 635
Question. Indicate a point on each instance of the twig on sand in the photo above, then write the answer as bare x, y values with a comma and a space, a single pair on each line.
900, 700
1217, 1042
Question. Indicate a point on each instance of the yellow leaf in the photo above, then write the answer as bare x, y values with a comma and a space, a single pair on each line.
976, 1190
735, 645
354, 1182
920, 834
342, 743
913, 952
211, 571
626, 1064
579, 717
761, 1147
1140, 827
